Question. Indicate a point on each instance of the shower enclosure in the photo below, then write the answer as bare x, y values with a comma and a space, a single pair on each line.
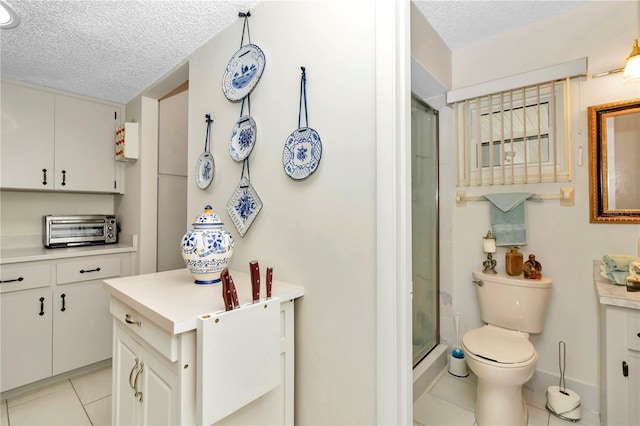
424, 213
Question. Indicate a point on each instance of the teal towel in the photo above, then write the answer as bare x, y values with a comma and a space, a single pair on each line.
619, 262
508, 217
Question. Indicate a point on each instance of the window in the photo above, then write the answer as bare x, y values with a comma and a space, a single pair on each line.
516, 136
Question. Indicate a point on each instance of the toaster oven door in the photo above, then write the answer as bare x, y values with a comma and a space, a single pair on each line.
74, 232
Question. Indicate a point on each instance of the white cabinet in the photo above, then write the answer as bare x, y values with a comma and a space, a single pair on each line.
155, 373
85, 145
147, 389
619, 365
27, 138
26, 338
54, 317
56, 142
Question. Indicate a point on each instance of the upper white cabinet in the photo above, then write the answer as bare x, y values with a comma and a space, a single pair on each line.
27, 137
56, 142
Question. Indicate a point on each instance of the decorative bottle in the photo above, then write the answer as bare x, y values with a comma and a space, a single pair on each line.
513, 261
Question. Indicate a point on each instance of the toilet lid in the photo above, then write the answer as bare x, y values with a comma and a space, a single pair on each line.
499, 345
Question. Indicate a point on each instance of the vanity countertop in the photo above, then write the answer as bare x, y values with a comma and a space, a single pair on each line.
613, 294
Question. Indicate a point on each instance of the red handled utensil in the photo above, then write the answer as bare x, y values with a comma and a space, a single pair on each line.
269, 281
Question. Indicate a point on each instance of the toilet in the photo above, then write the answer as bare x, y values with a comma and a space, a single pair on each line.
500, 353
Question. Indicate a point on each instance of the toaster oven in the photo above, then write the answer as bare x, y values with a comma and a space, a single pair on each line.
79, 230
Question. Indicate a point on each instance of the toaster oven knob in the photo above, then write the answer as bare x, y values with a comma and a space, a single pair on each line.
110, 228
110, 235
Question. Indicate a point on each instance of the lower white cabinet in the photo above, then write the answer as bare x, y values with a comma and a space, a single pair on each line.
53, 321
81, 325
147, 390
155, 374
619, 365
25, 339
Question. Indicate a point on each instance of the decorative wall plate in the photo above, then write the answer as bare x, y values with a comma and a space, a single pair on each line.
243, 137
243, 72
302, 152
244, 205
205, 168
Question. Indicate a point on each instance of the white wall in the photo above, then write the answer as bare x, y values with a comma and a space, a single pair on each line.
319, 232
562, 238
21, 211
138, 207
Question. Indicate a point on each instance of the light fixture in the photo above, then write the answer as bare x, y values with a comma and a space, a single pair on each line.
632, 69
8, 17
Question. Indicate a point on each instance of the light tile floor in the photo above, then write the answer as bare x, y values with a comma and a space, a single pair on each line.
449, 400
86, 400
81, 400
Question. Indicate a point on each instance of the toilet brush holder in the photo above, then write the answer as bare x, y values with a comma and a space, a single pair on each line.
458, 365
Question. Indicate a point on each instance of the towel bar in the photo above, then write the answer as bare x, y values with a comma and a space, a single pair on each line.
566, 197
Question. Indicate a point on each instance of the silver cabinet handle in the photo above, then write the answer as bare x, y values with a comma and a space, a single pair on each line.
131, 373
479, 282
127, 319
135, 383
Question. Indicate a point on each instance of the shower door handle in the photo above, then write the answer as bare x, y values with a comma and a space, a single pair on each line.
479, 282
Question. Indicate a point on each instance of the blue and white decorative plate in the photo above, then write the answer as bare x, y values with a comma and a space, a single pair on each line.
205, 168
302, 153
243, 72
244, 205
243, 137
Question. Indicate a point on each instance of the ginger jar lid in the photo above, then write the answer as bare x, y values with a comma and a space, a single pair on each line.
208, 219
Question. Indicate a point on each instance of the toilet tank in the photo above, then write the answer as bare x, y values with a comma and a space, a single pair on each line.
515, 303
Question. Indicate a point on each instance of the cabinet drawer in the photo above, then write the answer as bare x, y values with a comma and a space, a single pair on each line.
88, 268
633, 332
24, 276
161, 340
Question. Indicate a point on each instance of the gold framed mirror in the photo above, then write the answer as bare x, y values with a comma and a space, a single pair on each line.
614, 162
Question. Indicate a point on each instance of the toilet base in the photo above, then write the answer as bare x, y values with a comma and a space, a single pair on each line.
500, 405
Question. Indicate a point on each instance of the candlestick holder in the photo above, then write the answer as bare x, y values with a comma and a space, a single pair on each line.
489, 265
489, 247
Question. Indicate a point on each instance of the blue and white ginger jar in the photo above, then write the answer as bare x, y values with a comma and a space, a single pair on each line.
207, 248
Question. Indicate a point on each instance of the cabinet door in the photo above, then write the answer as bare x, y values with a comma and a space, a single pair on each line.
634, 388
25, 337
27, 138
85, 145
159, 393
81, 325
126, 364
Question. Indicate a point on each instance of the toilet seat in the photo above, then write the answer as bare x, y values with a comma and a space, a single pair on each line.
499, 345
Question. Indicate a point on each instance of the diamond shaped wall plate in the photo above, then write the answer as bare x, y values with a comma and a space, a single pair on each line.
243, 206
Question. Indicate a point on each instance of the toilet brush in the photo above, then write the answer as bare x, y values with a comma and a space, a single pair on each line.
562, 402
457, 363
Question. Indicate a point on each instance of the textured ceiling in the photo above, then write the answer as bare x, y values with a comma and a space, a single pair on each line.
462, 23
108, 49
114, 49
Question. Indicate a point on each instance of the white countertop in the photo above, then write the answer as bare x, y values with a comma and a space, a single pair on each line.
613, 294
15, 252
173, 301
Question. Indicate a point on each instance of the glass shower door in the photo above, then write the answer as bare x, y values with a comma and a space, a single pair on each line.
424, 214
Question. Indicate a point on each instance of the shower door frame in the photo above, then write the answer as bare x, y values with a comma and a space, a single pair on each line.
436, 132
